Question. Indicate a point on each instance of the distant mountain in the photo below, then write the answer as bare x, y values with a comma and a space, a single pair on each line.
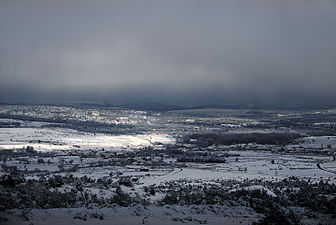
158, 107
162, 107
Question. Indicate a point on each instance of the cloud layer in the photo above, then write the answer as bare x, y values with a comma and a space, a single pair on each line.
170, 51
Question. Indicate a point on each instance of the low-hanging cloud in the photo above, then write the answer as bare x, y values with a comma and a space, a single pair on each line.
170, 51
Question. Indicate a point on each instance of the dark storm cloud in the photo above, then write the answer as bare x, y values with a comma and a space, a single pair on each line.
172, 51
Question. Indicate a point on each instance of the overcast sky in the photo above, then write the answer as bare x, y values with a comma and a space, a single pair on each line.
192, 51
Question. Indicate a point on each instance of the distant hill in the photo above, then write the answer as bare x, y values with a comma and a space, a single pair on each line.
158, 107
161, 107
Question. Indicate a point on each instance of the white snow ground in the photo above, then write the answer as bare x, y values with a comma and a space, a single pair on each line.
64, 139
152, 215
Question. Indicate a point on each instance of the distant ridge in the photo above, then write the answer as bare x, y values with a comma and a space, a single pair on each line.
162, 107
158, 107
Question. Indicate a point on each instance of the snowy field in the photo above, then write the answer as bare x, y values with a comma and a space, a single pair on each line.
151, 173
152, 215
43, 139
